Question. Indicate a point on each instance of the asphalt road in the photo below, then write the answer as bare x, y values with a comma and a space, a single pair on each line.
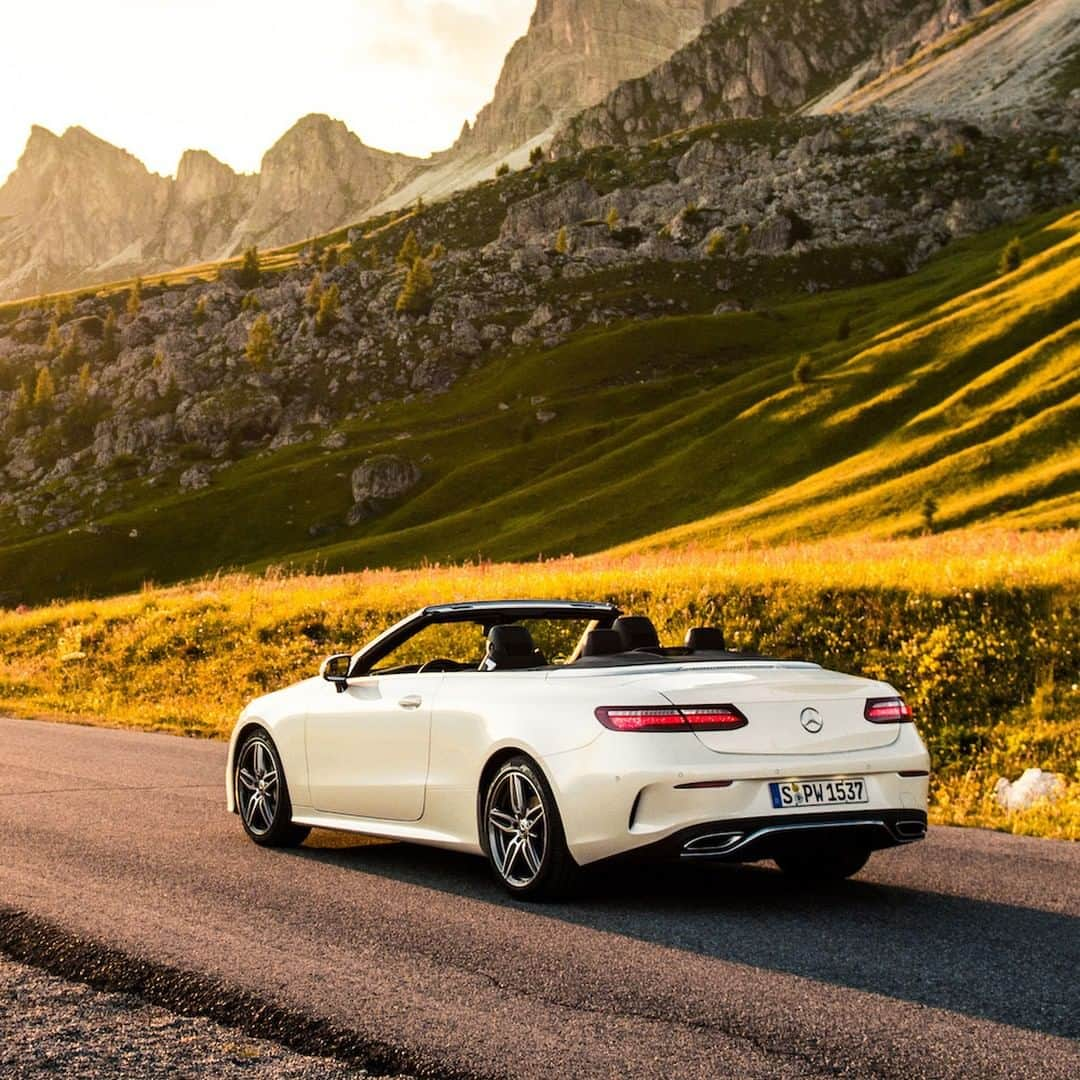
957, 957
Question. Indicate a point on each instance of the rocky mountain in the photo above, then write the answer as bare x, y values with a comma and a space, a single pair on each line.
78, 210
718, 219
762, 58
576, 52
318, 176
1009, 60
76, 204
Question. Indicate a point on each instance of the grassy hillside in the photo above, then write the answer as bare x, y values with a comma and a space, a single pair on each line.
956, 382
980, 629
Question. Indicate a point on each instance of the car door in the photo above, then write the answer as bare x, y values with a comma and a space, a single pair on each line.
367, 748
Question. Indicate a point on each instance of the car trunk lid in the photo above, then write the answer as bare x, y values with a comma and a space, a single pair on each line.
790, 709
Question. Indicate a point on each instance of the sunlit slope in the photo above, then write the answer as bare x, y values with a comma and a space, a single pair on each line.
956, 382
976, 405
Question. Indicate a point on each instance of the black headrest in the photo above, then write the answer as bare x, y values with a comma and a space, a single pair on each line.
511, 648
602, 643
511, 641
636, 632
705, 639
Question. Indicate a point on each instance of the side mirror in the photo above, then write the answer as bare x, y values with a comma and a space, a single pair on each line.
335, 669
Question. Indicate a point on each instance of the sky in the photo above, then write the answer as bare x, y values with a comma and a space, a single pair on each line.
157, 77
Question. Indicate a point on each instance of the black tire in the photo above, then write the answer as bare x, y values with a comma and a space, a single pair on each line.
262, 794
824, 865
542, 868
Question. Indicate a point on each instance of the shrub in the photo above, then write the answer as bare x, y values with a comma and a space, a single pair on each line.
562, 242
804, 370
200, 314
1012, 257
717, 245
611, 219
53, 340
329, 313
250, 302
502, 170
536, 155
438, 251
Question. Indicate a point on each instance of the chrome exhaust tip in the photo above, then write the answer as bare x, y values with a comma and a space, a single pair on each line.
711, 844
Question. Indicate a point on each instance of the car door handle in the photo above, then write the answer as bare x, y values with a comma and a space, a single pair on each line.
413, 701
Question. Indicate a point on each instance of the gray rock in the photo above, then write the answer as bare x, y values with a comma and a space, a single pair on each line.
379, 480
196, 478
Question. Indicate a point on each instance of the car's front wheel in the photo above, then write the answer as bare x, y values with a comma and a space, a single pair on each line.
262, 795
523, 834
822, 866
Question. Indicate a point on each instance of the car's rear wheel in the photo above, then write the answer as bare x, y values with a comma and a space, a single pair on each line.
523, 834
824, 865
262, 795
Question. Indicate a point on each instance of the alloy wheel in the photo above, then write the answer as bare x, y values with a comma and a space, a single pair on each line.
257, 787
517, 829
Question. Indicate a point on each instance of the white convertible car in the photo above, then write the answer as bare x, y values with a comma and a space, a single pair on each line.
549, 736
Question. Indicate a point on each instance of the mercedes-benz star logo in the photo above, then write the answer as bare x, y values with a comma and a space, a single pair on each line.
811, 721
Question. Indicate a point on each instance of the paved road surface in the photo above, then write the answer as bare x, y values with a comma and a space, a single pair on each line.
957, 957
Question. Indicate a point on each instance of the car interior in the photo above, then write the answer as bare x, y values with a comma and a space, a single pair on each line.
629, 640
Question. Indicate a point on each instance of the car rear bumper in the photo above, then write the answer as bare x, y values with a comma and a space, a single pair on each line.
749, 839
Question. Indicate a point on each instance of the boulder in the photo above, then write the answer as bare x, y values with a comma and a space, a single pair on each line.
379, 480
1035, 785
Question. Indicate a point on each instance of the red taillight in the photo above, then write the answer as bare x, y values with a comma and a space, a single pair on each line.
669, 718
888, 710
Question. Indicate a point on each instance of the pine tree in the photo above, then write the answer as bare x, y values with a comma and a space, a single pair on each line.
329, 312
314, 294
44, 390
1012, 257
260, 343
438, 251
109, 351
70, 356
134, 303
200, 314
85, 382
53, 341
929, 510
717, 245
248, 276
416, 294
330, 259
410, 250
612, 218
20, 409
562, 242
502, 170
536, 155
843, 331
804, 370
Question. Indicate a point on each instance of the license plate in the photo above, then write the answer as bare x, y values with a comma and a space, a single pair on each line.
789, 794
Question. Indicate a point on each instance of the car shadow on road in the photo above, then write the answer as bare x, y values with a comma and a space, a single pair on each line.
1009, 964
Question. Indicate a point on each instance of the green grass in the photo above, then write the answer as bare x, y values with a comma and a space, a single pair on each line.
954, 382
